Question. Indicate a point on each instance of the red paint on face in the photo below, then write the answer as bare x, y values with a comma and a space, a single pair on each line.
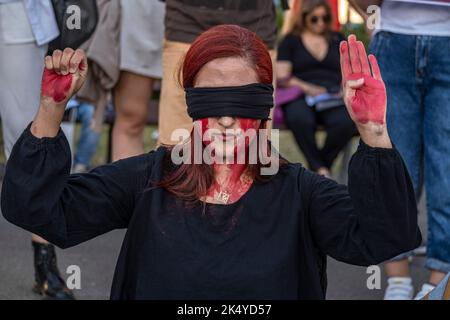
237, 182
247, 124
204, 123
56, 86
369, 102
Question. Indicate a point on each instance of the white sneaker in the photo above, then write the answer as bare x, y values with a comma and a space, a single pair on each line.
426, 288
399, 288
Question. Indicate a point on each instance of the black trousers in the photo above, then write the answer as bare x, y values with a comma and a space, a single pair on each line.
303, 120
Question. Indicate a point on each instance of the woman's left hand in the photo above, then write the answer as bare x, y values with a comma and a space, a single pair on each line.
364, 93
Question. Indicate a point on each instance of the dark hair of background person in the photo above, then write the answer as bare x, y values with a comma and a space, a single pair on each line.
306, 8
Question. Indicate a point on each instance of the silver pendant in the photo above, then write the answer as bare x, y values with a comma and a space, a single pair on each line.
222, 197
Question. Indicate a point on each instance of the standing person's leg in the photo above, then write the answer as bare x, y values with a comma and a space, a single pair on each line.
340, 129
301, 120
87, 144
131, 100
397, 61
172, 106
141, 37
20, 85
437, 155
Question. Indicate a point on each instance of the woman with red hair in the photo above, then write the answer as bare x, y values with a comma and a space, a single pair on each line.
219, 229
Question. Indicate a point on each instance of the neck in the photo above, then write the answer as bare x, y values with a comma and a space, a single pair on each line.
230, 173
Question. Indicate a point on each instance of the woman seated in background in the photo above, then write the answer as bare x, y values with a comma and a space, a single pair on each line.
308, 58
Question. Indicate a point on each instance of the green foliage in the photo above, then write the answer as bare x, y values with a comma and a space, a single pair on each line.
280, 18
357, 29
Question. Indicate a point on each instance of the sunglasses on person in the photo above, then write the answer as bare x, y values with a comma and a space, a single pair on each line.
325, 19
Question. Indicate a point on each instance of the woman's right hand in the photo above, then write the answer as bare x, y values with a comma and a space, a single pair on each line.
64, 74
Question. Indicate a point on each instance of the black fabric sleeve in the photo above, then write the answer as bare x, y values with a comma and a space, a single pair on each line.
40, 195
372, 220
285, 49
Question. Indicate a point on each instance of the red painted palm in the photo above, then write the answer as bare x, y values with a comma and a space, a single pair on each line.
364, 89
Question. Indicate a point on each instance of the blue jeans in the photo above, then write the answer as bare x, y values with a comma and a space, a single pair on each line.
416, 71
89, 139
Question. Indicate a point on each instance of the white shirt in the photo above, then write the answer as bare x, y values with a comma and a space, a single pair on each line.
415, 19
23, 21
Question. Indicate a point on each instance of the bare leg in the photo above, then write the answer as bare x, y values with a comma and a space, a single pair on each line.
323, 171
399, 281
132, 96
36, 238
397, 268
436, 277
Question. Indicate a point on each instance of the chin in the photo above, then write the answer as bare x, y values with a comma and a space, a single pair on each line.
228, 152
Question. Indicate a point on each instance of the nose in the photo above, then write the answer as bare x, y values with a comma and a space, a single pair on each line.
227, 122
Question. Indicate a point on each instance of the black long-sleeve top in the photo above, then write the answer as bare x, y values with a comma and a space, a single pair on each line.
271, 244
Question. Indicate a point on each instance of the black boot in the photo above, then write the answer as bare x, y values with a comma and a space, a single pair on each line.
49, 282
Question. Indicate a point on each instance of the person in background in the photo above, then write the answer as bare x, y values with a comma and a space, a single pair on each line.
89, 137
184, 21
26, 28
141, 37
412, 43
308, 58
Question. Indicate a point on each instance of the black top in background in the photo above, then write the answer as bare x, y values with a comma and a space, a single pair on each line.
326, 73
187, 19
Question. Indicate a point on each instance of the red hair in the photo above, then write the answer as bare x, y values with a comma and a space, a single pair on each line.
225, 41
192, 181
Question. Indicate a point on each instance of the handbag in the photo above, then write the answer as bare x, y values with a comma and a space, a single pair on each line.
77, 20
283, 96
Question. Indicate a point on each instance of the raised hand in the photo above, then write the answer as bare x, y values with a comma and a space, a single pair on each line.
364, 91
64, 74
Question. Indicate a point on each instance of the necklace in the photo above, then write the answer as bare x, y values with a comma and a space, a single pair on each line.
225, 191
222, 197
